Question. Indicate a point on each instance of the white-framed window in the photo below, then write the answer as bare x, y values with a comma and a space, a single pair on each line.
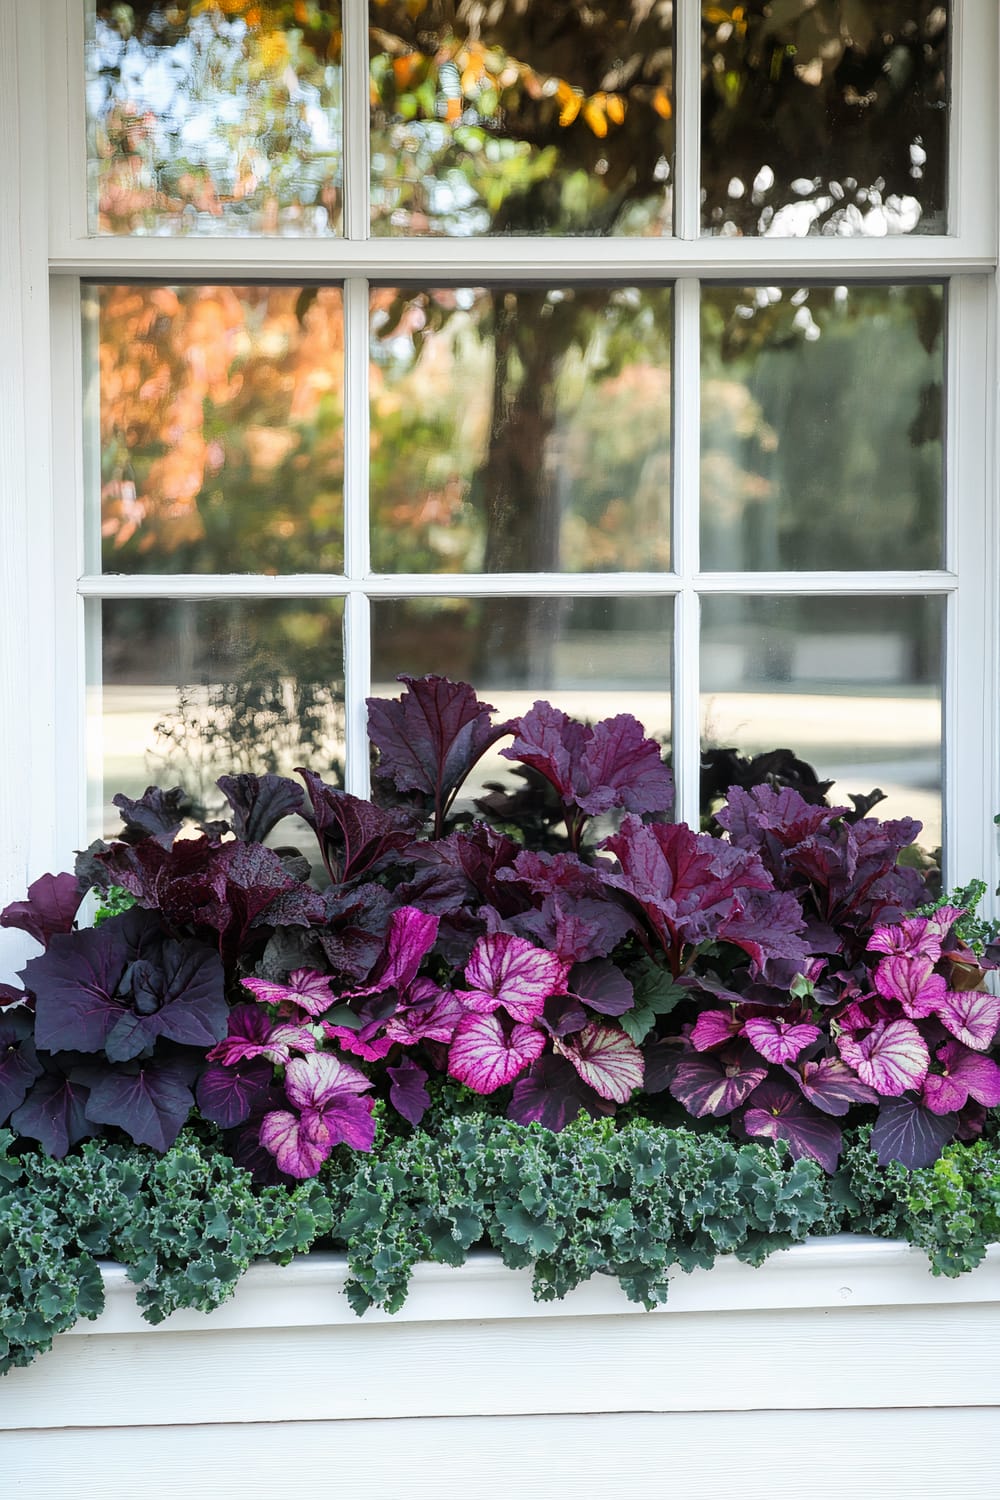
840, 597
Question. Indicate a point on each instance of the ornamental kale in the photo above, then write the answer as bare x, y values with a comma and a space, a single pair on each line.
782, 980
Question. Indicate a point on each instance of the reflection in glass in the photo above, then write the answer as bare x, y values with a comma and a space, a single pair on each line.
190, 690
824, 117
215, 118
851, 685
221, 428
515, 429
518, 118
822, 415
592, 658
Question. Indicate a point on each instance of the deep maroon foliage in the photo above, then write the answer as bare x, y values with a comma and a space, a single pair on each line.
774, 979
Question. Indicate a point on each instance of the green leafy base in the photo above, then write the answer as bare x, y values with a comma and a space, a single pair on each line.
633, 1201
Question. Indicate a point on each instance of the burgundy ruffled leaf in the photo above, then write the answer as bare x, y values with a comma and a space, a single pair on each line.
229, 1096
51, 908
54, 1114
908, 1133
354, 835
408, 1091
355, 925
259, 803
430, 737
768, 926
553, 1094
157, 815
150, 1103
620, 767
778, 1112
716, 1083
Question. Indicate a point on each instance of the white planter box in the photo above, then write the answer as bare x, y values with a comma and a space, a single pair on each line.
839, 1369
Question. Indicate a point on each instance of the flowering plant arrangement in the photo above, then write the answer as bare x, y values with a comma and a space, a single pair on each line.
564, 951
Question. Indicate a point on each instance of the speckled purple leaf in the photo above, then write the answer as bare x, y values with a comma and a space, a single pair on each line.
602, 986
553, 1094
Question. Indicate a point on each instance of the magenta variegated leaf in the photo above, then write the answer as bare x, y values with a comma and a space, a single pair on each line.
300, 1144
965, 1075
432, 1018
832, 1086
411, 936
972, 1016
484, 1056
892, 1058
325, 1090
908, 1133
778, 1112
253, 1034
408, 1091
605, 1058
943, 1095
913, 937
306, 988
777, 1040
912, 982
508, 971
714, 1028
716, 1083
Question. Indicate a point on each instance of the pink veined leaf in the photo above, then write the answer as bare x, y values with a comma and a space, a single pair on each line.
412, 934
972, 1016
943, 1095
913, 937
912, 982
715, 1083
434, 1019
605, 1058
779, 1041
366, 1043
306, 988
967, 1075
714, 1028
778, 1112
832, 1086
484, 1057
317, 1081
300, 1146
509, 971
253, 1034
892, 1058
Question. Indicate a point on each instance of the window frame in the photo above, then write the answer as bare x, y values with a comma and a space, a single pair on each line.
46, 253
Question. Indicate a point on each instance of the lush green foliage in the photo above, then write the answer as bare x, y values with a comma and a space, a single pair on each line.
633, 1201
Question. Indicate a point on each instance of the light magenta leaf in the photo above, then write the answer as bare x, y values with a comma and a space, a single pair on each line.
972, 1016
315, 1082
412, 934
965, 1072
912, 982
306, 988
299, 1146
892, 1058
779, 1041
434, 1019
509, 971
605, 1058
484, 1057
714, 1028
253, 1034
832, 1086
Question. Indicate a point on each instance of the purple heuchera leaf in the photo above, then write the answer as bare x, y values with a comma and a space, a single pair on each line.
484, 1056
768, 926
908, 1133
54, 1114
553, 1094
832, 1086
51, 907
778, 1112
408, 1092
779, 1041
306, 989
354, 928
612, 764
911, 980
716, 1083
970, 1015
325, 1091
150, 1103
229, 1096
258, 803
353, 834
891, 1058
157, 814
430, 737
606, 1059
507, 971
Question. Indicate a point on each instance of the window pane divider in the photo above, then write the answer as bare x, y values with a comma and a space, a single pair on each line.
355, 116
686, 462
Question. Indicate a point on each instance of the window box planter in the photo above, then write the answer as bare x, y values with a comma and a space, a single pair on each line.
838, 1367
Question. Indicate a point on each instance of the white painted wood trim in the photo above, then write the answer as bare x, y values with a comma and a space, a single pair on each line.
835, 1272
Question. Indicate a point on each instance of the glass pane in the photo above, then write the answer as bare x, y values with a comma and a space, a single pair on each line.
851, 685
590, 657
822, 416
193, 689
824, 117
221, 415
517, 118
520, 430
215, 118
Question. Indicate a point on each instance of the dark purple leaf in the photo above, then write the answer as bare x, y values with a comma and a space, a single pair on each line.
907, 1132
259, 802
602, 986
229, 1096
716, 1083
553, 1094
356, 924
11, 996
408, 1092
53, 1113
51, 907
19, 1065
620, 767
150, 1104
778, 1112
662, 1059
156, 815
76, 987
430, 737
180, 995
354, 835
767, 925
